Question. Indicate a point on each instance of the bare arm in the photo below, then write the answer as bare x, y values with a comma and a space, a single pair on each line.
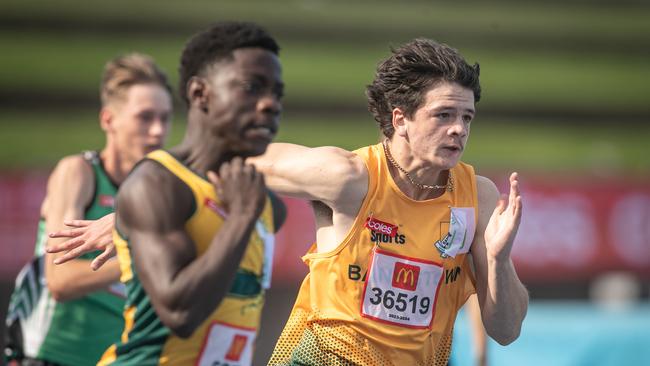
86, 236
479, 338
328, 174
163, 253
502, 297
69, 190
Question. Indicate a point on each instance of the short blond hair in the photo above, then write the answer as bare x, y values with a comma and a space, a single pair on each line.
127, 70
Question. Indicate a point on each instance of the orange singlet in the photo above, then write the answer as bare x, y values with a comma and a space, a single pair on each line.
389, 293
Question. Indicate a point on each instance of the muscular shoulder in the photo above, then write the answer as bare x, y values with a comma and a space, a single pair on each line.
152, 197
347, 173
72, 167
341, 163
486, 187
72, 180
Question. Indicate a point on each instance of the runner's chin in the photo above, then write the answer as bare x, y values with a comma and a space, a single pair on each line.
150, 148
260, 135
258, 140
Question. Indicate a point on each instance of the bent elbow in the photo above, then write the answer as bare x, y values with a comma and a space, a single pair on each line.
180, 323
58, 296
505, 337
59, 292
183, 331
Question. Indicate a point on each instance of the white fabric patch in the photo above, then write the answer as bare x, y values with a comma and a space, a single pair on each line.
269, 246
462, 226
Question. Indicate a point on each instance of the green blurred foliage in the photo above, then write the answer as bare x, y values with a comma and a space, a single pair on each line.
603, 150
564, 81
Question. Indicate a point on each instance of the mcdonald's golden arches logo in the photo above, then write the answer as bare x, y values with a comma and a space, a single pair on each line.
405, 276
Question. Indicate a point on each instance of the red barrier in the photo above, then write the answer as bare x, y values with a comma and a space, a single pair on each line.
574, 231
292, 241
21, 195
570, 232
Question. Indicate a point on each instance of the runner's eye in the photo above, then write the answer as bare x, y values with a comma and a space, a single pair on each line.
251, 87
146, 116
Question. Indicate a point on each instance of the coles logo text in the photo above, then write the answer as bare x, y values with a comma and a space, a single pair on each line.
381, 227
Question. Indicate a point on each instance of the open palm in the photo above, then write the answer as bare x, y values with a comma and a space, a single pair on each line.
503, 225
85, 236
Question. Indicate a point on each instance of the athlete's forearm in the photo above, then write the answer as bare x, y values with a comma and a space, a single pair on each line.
506, 302
208, 277
76, 279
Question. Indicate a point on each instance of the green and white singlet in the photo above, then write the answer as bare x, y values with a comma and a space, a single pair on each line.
74, 332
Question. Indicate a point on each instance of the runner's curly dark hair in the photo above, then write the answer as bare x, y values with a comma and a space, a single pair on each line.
217, 43
403, 79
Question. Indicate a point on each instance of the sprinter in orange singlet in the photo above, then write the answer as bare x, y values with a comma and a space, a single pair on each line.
406, 231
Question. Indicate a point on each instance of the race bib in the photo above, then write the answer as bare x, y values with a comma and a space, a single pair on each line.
228, 345
401, 290
458, 240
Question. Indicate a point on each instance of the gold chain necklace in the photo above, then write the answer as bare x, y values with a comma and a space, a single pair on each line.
450, 182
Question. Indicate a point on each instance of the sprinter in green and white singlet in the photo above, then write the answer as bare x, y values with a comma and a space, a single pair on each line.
69, 314
74, 332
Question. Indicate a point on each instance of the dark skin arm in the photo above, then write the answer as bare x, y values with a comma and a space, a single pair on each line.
152, 207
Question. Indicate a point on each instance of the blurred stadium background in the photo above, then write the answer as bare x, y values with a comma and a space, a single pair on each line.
565, 103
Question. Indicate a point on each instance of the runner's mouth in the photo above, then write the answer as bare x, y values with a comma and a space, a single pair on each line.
454, 148
263, 131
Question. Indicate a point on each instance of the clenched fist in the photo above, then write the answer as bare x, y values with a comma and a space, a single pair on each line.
240, 187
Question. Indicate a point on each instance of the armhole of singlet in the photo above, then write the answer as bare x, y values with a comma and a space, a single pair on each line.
278, 209
89, 157
473, 184
372, 190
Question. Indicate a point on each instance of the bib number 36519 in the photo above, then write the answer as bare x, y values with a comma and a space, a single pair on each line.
401, 290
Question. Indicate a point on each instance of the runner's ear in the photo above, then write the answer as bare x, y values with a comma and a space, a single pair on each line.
105, 118
399, 122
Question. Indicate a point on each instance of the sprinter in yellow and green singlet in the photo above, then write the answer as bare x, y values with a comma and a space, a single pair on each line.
194, 225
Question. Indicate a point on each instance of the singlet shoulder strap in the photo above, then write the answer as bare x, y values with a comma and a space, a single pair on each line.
185, 174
